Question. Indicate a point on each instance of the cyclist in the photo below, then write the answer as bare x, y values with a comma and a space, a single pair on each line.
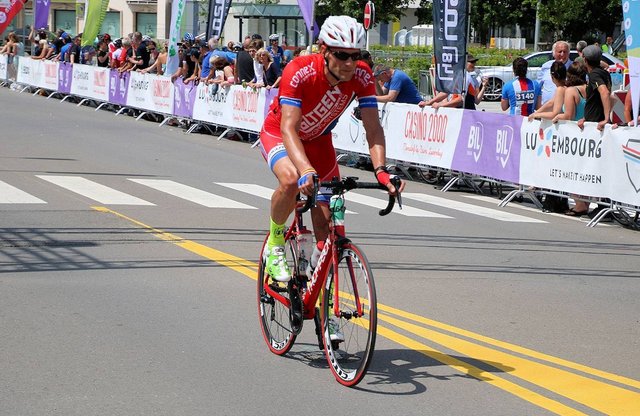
296, 136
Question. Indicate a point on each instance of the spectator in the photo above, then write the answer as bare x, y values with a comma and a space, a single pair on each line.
194, 62
366, 57
67, 43
522, 95
475, 86
554, 107
271, 70
73, 55
560, 52
579, 48
138, 55
607, 47
205, 55
160, 65
258, 70
87, 53
121, 57
114, 55
276, 51
103, 54
288, 54
221, 73
394, 85
443, 99
42, 47
628, 110
243, 69
184, 66
11, 50
598, 105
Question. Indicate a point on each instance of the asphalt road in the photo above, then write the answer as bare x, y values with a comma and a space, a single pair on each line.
127, 287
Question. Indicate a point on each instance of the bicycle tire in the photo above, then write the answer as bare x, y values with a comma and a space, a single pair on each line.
272, 313
350, 359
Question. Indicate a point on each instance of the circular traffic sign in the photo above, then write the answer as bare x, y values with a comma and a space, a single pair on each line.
369, 15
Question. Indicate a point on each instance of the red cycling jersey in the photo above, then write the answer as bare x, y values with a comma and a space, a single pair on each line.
305, 85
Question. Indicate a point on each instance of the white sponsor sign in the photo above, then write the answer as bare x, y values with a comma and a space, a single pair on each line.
242, 108
90, 82
150, 92
29, 71
4, 61
49, 79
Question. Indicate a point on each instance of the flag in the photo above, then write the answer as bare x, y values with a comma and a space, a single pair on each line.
218, 11
95, 12
307, 8
8, 12
631, 15
450, 44
41, 19
173, 59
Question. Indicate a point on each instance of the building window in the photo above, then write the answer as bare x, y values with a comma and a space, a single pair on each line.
65, 20
147, 24
111, 24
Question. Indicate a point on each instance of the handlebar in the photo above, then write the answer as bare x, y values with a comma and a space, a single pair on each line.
340, 186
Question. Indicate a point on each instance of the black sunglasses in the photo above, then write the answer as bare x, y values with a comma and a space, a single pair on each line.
343, 56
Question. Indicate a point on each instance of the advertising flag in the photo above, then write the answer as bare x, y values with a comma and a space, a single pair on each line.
41, 18
631, 15
218, 11
173, 59
96, 10
307, 9
8, 12
450, 44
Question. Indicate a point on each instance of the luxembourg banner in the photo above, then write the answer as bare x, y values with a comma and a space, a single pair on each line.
218, 11
631, 14
450, 44
8, 12
173, 59
96, 10
41, 18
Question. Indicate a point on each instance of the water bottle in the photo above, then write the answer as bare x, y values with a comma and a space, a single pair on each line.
315, 256
337, 208
305, 247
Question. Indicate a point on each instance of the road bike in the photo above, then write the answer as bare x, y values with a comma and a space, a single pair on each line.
342, 282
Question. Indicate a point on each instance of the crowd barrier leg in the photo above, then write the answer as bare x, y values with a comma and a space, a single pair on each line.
256, 143
53, 94
521, 191
65, 98
467, 180
28, 87
122, 109
37, 91
84, 100
141, 115
605, 211
102, 105
195, 126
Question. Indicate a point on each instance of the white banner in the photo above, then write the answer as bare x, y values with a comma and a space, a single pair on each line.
49, 79
4, 62
150, 92
29, 71
235, 106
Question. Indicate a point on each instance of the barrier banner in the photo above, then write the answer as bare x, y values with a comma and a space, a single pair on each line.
65, 76
235, 106
29, 71
150, 92
118, 87
49, 79
625, 164
90, 82
631, 14
4, 62
185, 98
489, 145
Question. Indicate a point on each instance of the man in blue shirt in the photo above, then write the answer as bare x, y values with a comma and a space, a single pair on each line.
560, 51
393, 85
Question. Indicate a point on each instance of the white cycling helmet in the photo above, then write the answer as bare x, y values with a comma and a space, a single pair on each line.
274, 37
343, 32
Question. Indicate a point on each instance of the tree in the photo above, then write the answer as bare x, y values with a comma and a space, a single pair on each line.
491, 14
425, 12
580, 19
386, 11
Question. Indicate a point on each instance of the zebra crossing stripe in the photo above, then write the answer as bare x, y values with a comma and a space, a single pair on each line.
9, 194
256, 190
94, 190
379, 203
495, 214
191, 194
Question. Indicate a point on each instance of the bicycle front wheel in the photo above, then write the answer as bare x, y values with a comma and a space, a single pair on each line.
349, 320
273, 305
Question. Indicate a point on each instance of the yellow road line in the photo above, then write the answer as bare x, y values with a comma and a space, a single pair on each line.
596, 394
592, 393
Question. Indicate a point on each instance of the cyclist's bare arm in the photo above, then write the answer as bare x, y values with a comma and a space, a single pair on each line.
375, 138
291, 117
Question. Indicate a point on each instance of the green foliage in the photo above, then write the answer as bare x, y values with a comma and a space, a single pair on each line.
386, 11
424, 13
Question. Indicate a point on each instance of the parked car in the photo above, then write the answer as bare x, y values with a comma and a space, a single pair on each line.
499, 75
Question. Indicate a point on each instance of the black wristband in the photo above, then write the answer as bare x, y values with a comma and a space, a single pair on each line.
382, 168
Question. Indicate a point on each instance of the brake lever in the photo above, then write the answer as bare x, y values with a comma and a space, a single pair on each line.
396, 182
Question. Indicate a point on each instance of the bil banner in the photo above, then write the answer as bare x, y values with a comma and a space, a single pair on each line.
450, 44
7, 13
218, 11
631, 14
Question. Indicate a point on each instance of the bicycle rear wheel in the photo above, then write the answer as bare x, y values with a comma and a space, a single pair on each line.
273, 305
357, 316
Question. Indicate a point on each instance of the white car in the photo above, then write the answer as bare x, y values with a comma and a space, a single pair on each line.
499, 75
